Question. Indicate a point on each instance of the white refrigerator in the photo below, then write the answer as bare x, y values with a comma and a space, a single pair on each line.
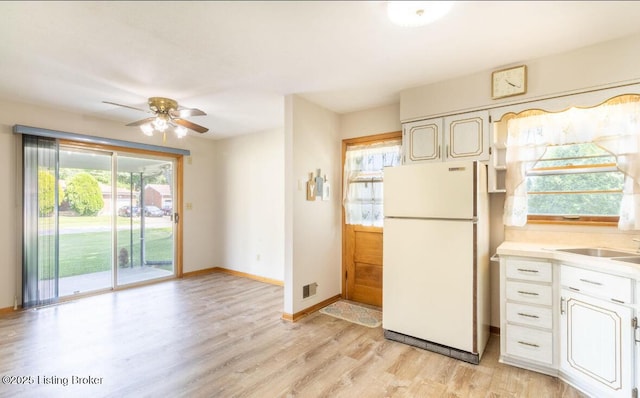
436, 257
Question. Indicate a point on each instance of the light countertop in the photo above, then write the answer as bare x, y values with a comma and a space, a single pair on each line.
549, 252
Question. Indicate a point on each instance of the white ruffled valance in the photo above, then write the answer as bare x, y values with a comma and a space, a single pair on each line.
614, 126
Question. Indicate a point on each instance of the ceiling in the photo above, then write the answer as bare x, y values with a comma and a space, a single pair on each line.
237, 60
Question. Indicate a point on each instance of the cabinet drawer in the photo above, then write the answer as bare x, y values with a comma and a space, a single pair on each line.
538, 271
530, 344
599, 284
529, 293
530, 315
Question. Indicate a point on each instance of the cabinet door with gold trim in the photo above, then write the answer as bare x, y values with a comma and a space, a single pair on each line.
596, 344
422, 141
466, 136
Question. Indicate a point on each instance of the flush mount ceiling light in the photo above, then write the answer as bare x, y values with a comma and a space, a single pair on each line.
417, 13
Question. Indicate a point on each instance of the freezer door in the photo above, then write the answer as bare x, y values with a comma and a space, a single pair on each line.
430, 190
428, 281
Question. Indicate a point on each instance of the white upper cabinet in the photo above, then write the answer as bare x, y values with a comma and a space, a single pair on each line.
450, 138
422, 141
466, 136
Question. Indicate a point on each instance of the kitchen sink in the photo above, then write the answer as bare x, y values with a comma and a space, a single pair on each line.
597, 252
635, 260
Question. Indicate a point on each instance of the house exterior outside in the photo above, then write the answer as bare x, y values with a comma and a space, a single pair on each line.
158, 195
124, 198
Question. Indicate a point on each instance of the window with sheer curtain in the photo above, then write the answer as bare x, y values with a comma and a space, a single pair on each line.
363, 180
599, 144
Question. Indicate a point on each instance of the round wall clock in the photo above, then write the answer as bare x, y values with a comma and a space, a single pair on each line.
508, 82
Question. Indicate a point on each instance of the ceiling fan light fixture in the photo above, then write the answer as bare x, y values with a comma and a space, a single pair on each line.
147, 129
180, 131
167, 116
417, 13
160, 123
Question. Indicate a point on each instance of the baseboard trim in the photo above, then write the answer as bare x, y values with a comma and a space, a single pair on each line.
199, 272
9, 310
301, 314
247, 275
494, 330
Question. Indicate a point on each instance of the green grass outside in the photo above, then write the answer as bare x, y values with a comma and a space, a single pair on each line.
84, 253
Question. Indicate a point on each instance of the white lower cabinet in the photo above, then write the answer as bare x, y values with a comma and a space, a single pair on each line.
596, 346
596, 350
636, 335
528, 315
530, 343
574, 323
527, 338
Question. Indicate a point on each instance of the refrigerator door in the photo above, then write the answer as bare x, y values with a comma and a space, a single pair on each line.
431, 190
428, 279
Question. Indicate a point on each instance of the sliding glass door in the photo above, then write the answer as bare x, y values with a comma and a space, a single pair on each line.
94, 219
84, 221
145, 239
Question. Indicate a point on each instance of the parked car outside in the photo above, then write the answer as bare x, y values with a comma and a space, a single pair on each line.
153, 211
126, 211
167, 210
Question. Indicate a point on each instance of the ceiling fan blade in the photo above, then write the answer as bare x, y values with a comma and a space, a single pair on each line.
127, 106
141, 122
192, 126
186, 112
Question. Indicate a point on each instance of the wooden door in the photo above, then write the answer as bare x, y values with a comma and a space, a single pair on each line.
363, 261
362, 245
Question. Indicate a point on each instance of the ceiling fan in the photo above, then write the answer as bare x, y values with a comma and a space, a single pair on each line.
167, 113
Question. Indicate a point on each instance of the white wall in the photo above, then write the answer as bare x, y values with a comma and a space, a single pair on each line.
384, 119
198, 189
10, 239
312, 228
249, 175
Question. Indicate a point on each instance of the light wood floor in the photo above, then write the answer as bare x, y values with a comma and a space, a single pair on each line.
221, 336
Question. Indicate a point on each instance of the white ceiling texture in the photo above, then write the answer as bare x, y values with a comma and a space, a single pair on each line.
237, 60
